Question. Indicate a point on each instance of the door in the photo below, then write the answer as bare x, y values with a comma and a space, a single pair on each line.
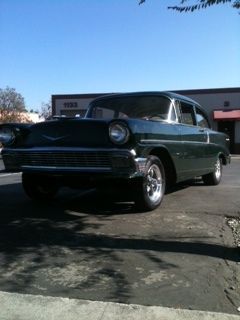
228, 127
194, 142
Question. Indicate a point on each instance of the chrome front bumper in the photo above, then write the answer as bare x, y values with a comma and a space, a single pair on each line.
110, 161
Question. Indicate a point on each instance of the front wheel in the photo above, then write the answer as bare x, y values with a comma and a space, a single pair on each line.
214, 178
149, 192
39, 188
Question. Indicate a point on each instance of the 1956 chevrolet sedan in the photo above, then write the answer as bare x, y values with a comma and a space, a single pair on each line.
141, 141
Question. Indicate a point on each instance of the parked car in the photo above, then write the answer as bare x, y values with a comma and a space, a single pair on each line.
141, 141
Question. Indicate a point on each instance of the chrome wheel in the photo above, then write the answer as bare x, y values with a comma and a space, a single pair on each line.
218, 169
154, 183
214, 178
149, 192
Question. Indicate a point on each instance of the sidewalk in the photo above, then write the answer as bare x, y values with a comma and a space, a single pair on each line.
33, 307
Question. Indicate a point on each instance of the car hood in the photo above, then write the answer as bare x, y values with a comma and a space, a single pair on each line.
89, 133
67, 133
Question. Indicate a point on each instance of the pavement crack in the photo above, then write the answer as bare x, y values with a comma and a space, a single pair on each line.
230, 298
104, 310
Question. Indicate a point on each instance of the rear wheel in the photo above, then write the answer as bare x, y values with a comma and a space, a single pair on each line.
39, 188
214, 177
149, 193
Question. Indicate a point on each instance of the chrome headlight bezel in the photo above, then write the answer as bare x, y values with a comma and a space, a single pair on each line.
7, 135
119, 133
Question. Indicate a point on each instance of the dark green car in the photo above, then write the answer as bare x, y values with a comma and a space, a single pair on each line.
141, 142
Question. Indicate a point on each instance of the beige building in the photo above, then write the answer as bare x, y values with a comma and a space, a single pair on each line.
23, 117
222, 106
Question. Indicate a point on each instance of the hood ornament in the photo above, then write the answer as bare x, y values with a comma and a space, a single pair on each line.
54, 138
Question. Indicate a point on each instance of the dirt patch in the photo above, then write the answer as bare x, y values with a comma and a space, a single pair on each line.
234, 224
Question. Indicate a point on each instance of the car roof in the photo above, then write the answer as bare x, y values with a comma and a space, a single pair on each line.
171, 95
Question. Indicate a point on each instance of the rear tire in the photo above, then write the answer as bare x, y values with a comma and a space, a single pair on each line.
148, 193
39, 188
214, 178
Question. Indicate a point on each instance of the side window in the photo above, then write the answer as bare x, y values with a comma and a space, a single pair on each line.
187, 114
104, 113
202, 120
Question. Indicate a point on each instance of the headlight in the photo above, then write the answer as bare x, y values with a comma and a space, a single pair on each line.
7, 135
119, 133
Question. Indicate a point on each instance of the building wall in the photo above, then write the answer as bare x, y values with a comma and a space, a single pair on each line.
237, 137
70, 105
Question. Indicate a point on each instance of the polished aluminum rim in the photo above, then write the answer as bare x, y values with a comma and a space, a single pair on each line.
154, 185
218, 169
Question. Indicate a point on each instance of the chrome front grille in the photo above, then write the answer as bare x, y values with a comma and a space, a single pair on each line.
58, 159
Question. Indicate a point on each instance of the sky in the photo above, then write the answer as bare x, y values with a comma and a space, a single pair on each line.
100, 46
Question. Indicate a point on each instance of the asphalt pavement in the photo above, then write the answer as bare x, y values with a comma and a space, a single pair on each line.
84, 257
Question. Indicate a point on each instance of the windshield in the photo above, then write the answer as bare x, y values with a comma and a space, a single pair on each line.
142, 107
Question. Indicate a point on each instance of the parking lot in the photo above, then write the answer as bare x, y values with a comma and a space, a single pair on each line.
182, 255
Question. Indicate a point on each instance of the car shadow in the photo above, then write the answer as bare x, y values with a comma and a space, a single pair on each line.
18, 213
41, 234
101, 203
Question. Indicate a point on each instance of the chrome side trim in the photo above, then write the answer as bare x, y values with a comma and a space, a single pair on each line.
145, 141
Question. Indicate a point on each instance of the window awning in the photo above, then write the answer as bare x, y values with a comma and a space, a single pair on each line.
226, 114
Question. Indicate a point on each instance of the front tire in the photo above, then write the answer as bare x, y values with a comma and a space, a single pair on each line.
214, 178
149, 192
39, 188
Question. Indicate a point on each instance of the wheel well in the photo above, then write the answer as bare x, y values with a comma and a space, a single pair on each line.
168, 164
222, 157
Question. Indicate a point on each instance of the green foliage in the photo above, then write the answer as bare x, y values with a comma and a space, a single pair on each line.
11, 105
200, 4
46, 110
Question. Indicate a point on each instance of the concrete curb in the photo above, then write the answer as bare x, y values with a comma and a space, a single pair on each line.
236, 156
36, 307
